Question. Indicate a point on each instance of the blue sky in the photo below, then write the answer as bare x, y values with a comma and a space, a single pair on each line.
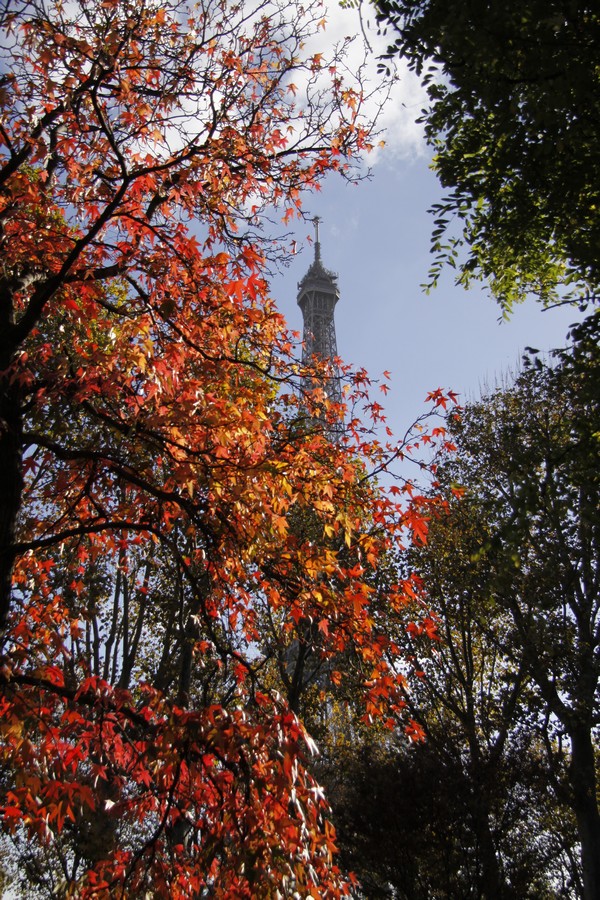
375, 235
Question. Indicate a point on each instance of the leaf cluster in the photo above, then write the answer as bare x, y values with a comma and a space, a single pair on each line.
513, 110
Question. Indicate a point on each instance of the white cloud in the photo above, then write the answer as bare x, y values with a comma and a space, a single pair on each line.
397, 105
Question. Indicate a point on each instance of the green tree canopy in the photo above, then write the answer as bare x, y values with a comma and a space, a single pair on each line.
528, 458
513, 115
501, 800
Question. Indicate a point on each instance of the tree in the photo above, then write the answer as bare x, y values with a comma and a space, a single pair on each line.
156, 451
528, 458
470, 811
513, 111
404, 823
501, 799
485, 725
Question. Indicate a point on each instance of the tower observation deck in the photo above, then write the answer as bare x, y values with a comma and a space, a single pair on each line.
318, 293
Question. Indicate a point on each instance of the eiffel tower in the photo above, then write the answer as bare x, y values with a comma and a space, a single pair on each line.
318, 293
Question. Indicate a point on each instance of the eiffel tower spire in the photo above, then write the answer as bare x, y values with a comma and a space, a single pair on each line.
318, 294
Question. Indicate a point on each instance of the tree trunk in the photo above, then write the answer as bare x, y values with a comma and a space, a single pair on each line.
582, 774
491, 882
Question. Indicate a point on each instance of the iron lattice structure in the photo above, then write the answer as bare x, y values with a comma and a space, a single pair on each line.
318, 293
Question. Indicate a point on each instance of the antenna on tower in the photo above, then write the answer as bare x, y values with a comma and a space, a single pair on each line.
316, 221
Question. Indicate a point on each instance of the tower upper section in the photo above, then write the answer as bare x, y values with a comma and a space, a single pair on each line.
318, 293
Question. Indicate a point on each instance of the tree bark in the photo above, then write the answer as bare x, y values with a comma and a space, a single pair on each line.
585, 806
492, 884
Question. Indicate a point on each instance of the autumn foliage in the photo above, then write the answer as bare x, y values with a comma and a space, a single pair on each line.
178, 529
